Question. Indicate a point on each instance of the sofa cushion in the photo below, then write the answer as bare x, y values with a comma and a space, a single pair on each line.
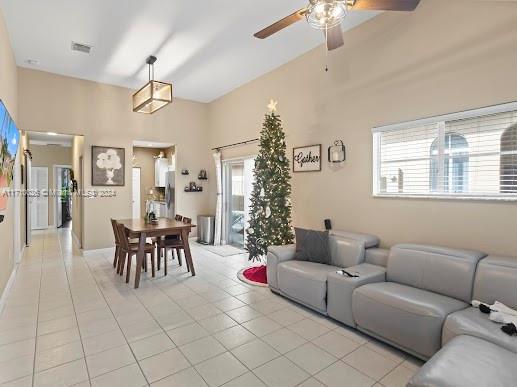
449, 272
348, 248
305, 282
467, 361
406, 316
312, 246
496, 280
472, 322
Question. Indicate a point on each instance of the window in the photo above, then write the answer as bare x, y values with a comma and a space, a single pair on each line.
508, 174
452, 172
467, 155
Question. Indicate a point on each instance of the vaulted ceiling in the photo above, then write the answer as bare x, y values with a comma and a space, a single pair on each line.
205, 48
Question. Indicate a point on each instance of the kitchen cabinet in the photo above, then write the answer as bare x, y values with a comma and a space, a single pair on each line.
161, 167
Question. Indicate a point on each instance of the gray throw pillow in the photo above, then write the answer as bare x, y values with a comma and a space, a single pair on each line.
312, 246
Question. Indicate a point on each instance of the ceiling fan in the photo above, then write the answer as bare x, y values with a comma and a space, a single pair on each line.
327, 15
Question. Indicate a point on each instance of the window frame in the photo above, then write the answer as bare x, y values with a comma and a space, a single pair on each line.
440, 120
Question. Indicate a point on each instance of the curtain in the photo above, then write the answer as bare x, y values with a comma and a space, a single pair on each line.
219, 203
248, 179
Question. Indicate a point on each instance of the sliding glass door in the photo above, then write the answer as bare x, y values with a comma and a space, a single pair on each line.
237, 187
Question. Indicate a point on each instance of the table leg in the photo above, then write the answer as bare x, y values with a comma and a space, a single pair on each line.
139, 259
186, 250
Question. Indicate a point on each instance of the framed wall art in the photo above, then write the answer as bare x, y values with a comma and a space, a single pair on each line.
307, 158
108, 166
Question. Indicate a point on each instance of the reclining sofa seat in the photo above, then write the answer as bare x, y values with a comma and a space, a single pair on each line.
306, 282
424, 285
496, 280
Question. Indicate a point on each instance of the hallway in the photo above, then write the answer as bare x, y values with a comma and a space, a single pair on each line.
73, 321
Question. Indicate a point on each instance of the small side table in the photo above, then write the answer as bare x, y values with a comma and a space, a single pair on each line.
341, 287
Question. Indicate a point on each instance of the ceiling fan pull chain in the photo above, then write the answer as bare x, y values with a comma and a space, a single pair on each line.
326, 49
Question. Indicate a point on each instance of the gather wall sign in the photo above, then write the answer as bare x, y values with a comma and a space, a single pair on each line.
307, 158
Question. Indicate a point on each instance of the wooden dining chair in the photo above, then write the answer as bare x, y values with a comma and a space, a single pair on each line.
175, 244
117, 242
128, 250
160, 246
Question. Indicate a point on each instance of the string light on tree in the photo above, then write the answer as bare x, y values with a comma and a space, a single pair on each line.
270, 210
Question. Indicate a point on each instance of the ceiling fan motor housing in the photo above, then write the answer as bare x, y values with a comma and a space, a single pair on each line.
325, 14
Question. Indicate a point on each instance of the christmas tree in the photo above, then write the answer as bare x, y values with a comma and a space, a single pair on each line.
270, 210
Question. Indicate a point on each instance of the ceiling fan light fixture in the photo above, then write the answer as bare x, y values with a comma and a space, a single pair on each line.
325, 14
154, 95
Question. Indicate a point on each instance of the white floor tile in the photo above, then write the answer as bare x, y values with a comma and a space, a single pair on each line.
220, 369
67, 374
109, 360
129, 376
255, 353
281, 372
186, 378
164, 364
202, 349
187, 333
284, 340
234, 336
311, 358
370, 363
151, 346
340, 374
59, 355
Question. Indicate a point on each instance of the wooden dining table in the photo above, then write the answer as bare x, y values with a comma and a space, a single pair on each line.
140, 229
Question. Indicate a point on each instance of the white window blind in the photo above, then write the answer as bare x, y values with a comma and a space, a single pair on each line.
466, 155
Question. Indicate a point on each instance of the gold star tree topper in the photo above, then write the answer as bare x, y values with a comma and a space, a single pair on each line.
272, 105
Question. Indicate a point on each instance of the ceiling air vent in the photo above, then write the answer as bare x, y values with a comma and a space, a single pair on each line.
81, 47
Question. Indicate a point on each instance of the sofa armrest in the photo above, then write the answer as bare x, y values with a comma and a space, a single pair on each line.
276, 255
340, 289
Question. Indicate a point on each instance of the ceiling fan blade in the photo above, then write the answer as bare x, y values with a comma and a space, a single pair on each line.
334, 37
281, 24
385, 5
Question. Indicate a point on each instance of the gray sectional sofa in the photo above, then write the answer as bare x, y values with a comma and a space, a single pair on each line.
414, 297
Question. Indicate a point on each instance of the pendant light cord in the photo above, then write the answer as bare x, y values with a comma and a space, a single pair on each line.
326, 48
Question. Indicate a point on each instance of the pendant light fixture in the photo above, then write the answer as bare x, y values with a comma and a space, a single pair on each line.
154, 95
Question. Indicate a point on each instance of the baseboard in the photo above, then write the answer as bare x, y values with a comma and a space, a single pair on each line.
76, 239
20, 254
7, 289
89, 253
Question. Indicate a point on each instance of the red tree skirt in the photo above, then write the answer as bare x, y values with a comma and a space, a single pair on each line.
256, 274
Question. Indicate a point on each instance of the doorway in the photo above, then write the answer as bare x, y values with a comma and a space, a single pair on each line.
238, 182
39, 201
63, 196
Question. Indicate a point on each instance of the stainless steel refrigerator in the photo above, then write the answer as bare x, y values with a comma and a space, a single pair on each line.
170, 194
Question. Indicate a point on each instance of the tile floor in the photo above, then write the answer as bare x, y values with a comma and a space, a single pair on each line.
70, 320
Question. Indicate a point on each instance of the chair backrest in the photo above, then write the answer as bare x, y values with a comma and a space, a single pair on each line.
449, 272
115, 231
178, 217
496, 280
124, 241
187, 220
348, 249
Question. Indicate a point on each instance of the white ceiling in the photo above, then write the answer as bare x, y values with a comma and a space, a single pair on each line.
206, 48
41, 138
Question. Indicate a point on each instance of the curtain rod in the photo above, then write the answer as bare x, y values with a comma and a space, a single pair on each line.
236, 144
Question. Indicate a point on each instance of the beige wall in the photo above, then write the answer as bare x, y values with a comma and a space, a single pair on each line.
8, 94
445, 57
48, 156
77, 201
103, 114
